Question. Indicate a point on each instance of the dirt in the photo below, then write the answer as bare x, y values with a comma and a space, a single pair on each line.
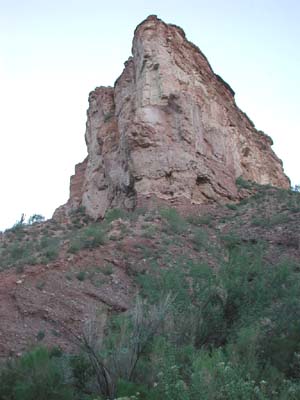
45, 303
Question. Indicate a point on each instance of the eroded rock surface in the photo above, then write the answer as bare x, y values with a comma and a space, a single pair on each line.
169, 128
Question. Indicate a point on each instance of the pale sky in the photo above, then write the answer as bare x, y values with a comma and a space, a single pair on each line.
53, 53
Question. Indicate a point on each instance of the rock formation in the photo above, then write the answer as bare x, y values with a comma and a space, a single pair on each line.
169, 128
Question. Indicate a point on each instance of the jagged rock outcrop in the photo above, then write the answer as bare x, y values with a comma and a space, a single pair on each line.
169, 128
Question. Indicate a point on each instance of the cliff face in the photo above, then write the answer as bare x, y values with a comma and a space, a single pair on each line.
169, 128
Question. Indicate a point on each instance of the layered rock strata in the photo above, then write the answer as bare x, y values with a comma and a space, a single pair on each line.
169, 128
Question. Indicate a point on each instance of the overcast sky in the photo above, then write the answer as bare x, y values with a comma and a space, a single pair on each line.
53, 53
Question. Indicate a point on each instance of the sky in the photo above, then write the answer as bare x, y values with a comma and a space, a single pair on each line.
53, 53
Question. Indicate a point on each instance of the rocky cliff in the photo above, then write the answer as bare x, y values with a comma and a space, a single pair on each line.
169, 128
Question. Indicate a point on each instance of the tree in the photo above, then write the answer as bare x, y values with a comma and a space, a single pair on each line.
116, 357
35, 218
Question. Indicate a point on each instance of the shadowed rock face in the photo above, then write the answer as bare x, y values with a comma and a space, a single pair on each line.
169, 128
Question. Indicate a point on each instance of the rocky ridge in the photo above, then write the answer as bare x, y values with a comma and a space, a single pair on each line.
170, 128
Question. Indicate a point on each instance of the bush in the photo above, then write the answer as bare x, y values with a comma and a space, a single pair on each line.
18, 254
199, 220
217, 378
87, 238
36, 218
175, 223
113, 214
49, 248
279, 341
82, 371
232, 206
170, 385
35, 376
200, 239
126, 389
271, 221
243, 184
81, 275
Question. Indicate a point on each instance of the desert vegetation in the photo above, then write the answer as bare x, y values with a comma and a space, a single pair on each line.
215, 314
230, 333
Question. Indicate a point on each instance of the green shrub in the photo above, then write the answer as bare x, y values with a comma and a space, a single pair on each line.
232, 206
126, 389
49, 248
87, 238
214, 377
18, 254
150, 231
268, 222
243, 184
75, 245
279, 342
93, 236
35, 376
81, 275
40, 335
113, 214
170, 386
82, 371
36, 218
199, 220
200, 239
231, 240
40, 285
175, 224
107, 270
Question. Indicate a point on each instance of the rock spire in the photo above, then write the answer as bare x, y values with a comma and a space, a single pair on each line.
168, 128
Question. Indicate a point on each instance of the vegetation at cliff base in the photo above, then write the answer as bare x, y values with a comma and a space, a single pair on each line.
231, 333
215, 315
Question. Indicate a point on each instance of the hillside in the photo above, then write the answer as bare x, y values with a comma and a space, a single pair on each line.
229, 269
172, 272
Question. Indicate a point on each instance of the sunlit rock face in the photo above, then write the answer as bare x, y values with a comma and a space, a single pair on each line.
169, 128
